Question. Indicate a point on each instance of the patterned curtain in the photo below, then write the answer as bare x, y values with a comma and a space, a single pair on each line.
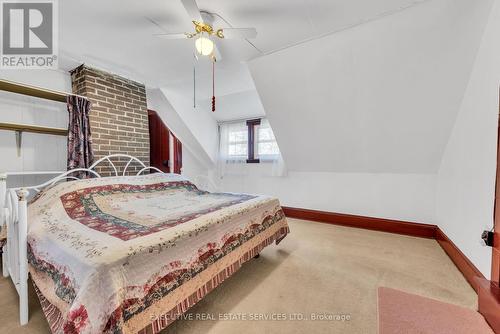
80, 153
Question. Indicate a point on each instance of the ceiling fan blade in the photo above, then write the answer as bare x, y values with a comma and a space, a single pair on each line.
239, 33
192, 10
171, 36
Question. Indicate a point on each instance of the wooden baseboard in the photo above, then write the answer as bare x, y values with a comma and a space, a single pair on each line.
370, 223
466, 267
489, 302
495, 256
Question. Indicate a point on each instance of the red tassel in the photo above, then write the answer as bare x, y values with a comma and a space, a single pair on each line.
213, 86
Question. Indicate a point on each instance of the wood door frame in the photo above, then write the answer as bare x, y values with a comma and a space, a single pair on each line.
489, 290
495, 252
162, 131
177, 149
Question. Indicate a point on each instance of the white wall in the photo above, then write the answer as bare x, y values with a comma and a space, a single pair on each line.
199, 120
196, 162
238, 105
39, 151
466, 179
362, 116
191, 168
435, 164
158, 102
425, 122
408, 197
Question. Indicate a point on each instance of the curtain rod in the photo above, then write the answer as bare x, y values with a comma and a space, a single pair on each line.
240, 120
48, 94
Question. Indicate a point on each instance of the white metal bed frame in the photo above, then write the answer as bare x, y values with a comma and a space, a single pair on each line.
14, 217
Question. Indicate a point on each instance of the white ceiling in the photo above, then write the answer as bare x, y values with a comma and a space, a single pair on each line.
117, 35
379, 98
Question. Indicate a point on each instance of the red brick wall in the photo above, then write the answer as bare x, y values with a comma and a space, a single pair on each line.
119, 116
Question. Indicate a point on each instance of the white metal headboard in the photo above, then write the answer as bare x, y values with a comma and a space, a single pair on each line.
14, 216
91, 171
130, 161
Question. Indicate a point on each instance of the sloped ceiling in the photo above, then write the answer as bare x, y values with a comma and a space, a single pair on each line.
379, 97
378, 92
158, 101
117, 35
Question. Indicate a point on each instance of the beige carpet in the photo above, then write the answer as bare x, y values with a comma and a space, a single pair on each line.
318, 269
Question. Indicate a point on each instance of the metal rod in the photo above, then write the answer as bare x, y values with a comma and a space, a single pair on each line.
194, 86
19, 142
48, 94
238, 120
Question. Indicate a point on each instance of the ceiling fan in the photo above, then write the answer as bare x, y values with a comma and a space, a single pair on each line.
205, 34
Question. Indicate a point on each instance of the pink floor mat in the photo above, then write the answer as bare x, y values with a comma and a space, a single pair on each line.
404, 313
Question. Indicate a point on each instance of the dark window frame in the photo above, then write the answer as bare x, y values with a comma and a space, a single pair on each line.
251, 124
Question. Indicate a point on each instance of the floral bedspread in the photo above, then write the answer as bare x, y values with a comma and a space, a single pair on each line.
102, 251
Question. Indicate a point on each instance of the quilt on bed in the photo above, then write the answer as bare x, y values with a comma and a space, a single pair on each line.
130, 254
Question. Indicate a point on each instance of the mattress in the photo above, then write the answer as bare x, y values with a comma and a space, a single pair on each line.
130, 254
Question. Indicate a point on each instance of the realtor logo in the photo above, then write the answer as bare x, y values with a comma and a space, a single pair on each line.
29, 38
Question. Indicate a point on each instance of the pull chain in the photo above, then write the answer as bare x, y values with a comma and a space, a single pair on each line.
194, 81
194, 86
213, 85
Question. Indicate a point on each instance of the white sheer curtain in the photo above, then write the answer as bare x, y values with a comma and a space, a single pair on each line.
233, 148
233, 151
268, 150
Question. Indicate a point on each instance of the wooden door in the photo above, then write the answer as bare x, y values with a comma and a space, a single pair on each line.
177, 155
495, 259
159, 145
489, 291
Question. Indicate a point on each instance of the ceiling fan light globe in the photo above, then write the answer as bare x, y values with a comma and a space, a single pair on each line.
204, 46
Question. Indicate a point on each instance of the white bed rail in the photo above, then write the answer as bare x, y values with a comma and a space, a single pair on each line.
15, 258
14, 217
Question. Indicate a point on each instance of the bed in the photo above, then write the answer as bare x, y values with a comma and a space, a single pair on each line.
130, 254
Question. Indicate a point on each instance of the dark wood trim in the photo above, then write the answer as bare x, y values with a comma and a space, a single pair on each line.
251, 140
468, 269
159, 142
489, 302
370, 223
495, 258
253, 121
177, 146
489, 291
495, 255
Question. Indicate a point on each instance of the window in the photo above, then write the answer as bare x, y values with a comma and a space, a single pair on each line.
233, 142
250, 141
266, 145
238, 142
